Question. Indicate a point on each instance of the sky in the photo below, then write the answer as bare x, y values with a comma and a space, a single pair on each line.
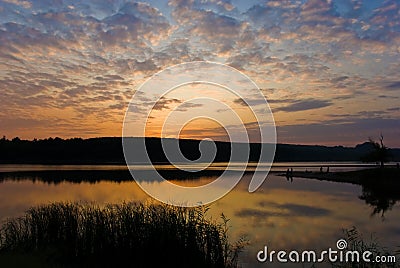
330, 70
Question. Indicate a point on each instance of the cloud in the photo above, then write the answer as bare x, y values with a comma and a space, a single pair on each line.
184, 107
24, 4
252, 102
83, 59
393, 85
348, 130
163, 103
109, 77
211, 31
304, 105
19, 123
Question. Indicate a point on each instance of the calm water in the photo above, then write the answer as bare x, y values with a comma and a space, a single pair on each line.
303, 214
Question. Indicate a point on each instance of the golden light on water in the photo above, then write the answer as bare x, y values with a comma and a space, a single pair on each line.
280, 214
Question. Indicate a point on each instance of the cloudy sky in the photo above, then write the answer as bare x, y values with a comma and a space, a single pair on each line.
330, 70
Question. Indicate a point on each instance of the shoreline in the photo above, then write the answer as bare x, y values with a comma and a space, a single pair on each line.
374, 177
331, 176
370, 176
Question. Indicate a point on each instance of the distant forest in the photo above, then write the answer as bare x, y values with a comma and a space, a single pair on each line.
108, 150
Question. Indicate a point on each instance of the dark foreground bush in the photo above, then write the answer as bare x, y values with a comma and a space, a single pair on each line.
123, 235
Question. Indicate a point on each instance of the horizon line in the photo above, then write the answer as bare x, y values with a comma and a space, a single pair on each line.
187, 139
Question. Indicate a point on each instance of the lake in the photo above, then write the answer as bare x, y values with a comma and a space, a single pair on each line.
291, 215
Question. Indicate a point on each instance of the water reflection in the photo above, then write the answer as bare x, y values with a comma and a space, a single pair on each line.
302, 214
96, 176
380, 200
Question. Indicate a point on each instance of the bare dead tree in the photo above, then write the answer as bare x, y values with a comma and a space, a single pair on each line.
380, 153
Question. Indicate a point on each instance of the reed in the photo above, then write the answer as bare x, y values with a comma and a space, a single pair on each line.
120, 235
357, 242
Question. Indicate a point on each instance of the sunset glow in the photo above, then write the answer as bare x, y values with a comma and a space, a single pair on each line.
329, 69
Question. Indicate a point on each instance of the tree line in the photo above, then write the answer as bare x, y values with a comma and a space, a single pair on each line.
108, 150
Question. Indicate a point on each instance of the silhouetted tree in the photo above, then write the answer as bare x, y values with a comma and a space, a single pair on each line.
16, 139
380, 152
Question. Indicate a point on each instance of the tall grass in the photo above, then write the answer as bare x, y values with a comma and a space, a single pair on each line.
120, 235
357, 242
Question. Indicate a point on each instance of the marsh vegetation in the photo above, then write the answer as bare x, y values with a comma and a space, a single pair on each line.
118, 235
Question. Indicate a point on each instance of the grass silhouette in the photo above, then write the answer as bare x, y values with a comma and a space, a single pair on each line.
117, 235
357, 242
